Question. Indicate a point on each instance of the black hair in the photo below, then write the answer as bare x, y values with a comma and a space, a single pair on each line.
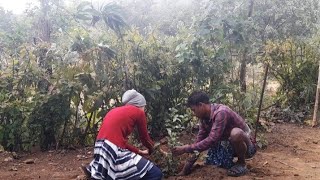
198, 97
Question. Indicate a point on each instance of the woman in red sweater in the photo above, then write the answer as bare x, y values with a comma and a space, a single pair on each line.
114, 158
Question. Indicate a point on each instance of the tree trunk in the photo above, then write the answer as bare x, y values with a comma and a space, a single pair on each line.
44, 34
316, 104
243, 65
44, 24
251, 2
83, 139
243, 69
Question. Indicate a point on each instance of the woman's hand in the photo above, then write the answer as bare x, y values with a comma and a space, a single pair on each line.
144, 152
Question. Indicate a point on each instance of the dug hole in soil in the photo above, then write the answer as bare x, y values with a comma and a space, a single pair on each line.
293, 152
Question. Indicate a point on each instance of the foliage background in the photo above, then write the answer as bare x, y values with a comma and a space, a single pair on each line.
64, 64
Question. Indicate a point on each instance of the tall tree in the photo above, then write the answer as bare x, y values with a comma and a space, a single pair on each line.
44, 23
243, 65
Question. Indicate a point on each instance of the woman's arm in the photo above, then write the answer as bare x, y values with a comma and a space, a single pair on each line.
143, 132
132, 148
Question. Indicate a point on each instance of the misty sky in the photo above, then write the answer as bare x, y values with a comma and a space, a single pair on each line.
16, 6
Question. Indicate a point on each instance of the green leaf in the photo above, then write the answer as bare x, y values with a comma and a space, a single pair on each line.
92, 12
169, 131
83, 5
84, 17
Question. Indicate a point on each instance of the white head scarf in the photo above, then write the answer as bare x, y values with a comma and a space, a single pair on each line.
134, 98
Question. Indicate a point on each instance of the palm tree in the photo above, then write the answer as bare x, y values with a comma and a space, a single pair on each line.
111, 14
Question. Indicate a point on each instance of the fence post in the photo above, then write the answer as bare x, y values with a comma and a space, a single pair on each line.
316, 104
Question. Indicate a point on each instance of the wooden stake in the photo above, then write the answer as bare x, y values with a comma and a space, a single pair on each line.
261, 99
316, 104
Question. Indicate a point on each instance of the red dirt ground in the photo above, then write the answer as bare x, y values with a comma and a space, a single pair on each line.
293, 153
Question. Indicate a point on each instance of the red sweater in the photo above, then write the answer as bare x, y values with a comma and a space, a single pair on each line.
119, 123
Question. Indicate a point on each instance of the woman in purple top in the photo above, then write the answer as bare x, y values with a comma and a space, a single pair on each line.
223, 132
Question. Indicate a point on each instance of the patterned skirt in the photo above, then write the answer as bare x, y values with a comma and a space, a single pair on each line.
114, 163
222, 154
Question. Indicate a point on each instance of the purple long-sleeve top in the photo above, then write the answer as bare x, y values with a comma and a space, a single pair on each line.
217, 128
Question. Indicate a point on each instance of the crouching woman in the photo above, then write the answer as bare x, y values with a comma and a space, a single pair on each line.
114, 158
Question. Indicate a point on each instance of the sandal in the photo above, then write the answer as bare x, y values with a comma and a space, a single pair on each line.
237, 170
